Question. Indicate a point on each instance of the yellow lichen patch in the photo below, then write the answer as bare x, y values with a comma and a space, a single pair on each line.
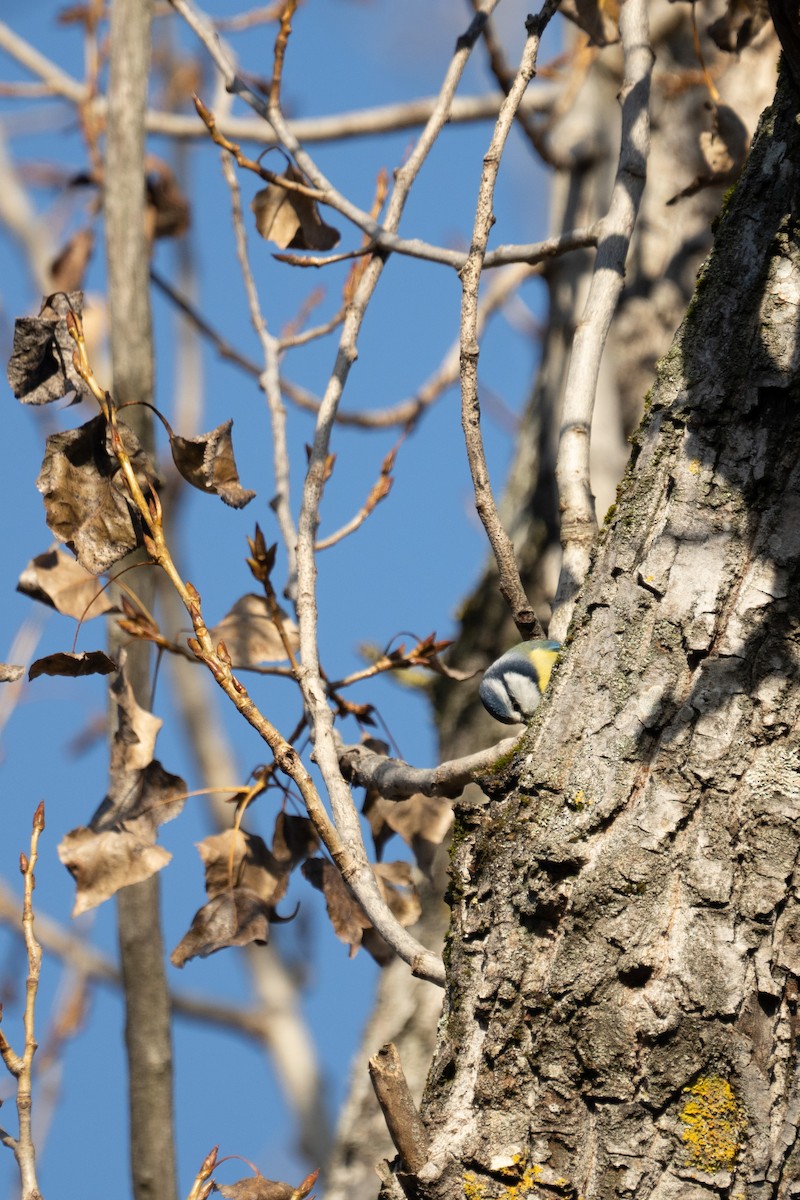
579, 801
523, 1186
714, 1123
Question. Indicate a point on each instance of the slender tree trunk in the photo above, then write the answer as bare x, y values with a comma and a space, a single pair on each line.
621, 1009
148, 1036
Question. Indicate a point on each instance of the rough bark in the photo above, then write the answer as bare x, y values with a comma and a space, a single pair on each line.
621, 1009
668, 247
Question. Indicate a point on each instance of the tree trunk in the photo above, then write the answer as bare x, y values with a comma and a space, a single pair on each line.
621, 1007
148, 1032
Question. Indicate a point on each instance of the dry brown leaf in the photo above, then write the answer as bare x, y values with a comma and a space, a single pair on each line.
168, 211
40, 369
118, 848
290, 219
85, 494
294, 840
251, 635
346, 915
724, 146
350, 923
234, 918
69, 267
9, 673
396, 882
244, 881
739, 25
207, 463
90, 662
253, 865
423, 822
256, 1187
56, 579
102, 863
599, 20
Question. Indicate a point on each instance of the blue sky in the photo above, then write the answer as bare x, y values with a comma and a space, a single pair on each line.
406, 569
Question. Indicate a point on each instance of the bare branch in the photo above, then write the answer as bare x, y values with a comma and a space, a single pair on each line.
407, 412
21, 1066
530, 253
269, 380
397, 780
220, 344
383, 237
510, 582
364, 122
578, 519
59, 82
404, 1123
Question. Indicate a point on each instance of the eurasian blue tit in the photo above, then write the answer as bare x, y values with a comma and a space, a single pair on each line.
512, 687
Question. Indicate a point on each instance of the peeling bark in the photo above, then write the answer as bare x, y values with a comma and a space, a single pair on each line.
621, 1010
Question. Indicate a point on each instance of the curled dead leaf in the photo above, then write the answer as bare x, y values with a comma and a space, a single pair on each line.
295, 839
41, 369
346, 915
90, 662
117, 848
599, 20
244, 881
237, 859
739, 25
56, 579
724, 148
85, 494
350, 922
102, 863
256, 1187
67, 270
251, 635
423, 822
290, 219
207, 463
234, 918
168, 212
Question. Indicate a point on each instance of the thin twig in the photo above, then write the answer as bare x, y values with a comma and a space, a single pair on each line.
502, 547
384, 237
529, 253
223, 347
379, 491
252, 16
406, 413
281, 42
269, 380
21, 1066
578, 519
378, 236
